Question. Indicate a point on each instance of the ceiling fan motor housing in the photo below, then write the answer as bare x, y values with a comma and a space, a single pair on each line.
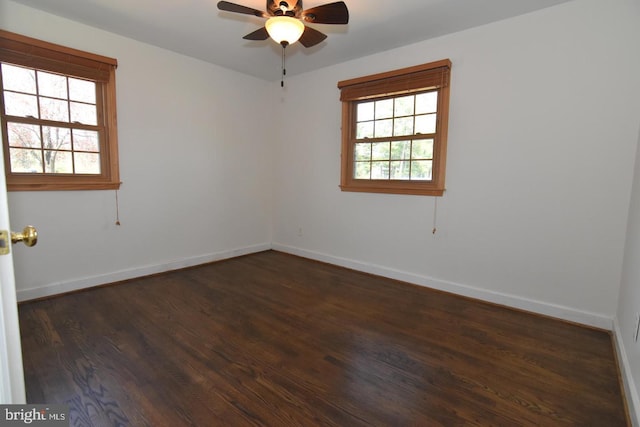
284, 8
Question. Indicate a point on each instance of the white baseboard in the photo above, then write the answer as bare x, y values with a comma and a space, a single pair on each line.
630, 389
102, 279
548, 309
595, 320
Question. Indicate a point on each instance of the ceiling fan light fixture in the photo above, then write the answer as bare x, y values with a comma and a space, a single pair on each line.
284, 29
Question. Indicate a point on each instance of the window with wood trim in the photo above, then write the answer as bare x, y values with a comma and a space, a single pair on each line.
394, 130
58, 113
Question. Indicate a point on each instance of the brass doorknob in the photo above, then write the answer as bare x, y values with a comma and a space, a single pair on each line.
29, 236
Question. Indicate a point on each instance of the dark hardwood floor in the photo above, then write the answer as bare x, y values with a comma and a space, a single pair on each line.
272, 339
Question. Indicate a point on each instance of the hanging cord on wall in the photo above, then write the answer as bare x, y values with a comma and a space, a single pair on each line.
117, 210
435, 214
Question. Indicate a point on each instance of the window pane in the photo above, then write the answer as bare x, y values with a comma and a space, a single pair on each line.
25, 161
18, 79
87, 163
83, 113
379, 170
380, 151
57, 162
384, 109
364, 130
23, 135
53, 85
422, 149
426, 124
403, 126
384, 128
400, 150
86, 140
421, 170
363, 151
363, 170
54, 109
365, 111
82, 90
56, 138
427, 103
20, 105
400, 170
404, 106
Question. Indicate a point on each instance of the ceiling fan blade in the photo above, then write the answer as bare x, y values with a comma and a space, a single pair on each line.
311, 37
260, 34
332, 13
232, 7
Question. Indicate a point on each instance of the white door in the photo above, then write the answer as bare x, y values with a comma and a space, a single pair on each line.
11, 372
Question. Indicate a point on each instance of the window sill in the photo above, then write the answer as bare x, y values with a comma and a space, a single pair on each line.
394, 188
63, 186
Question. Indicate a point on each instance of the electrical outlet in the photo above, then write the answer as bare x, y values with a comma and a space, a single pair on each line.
299, 231
636, 329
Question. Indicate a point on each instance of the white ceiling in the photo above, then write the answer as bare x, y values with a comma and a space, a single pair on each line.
197, 28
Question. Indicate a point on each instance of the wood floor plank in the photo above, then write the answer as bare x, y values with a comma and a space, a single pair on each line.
271, 339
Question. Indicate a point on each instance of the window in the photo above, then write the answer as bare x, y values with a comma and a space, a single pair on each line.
394, 130
58, 113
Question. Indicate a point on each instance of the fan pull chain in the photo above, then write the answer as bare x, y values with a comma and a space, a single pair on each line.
284, 70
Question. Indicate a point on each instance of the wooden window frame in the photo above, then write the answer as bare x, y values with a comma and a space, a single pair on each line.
431, 76
25, 51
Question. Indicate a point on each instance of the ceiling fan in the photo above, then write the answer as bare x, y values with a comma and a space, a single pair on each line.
285, 20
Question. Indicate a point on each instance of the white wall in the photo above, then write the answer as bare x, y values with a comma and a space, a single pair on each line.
196, 178
543, 130
629, 300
